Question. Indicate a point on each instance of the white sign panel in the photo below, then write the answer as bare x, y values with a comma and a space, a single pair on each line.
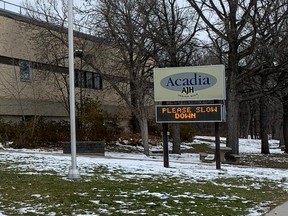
190, 83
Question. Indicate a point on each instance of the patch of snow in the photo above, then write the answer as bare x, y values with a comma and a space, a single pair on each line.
187, 166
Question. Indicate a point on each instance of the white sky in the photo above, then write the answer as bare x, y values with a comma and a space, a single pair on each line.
19, 2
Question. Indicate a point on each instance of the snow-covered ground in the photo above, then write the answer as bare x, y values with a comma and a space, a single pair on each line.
186, 165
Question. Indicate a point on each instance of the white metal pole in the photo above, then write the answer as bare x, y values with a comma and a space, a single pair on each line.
73, 171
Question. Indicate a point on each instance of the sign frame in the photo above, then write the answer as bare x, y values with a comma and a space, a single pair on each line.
220, 115
197, 83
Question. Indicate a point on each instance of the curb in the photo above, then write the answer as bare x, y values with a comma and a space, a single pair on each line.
281, 210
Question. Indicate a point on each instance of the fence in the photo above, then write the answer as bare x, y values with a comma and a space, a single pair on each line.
24, 11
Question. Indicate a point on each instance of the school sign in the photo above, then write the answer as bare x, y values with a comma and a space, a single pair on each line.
189, 83
190, 113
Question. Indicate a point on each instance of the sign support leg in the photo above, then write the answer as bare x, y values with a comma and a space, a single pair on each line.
217, 146
165, 144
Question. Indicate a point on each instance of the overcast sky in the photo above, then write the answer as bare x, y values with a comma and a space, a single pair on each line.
19, 2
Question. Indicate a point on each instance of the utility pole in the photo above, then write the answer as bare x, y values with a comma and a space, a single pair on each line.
73, 171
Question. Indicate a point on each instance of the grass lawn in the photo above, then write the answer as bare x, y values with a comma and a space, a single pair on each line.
119, 192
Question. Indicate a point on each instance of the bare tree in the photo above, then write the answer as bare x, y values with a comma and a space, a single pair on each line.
268, 65
22, 90
173, 32
227, 20
236, 24
48, 22
124, 25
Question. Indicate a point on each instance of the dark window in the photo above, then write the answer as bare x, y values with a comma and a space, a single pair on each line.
77, 79
24, 70
87, 79
97, 82
80, 79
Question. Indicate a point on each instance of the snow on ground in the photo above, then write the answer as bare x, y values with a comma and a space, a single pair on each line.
185, 164
245, 145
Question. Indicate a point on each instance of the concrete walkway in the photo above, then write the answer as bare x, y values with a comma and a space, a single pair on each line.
281, 210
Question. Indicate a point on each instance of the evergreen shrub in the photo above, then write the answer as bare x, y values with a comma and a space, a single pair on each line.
187, 132
35, 132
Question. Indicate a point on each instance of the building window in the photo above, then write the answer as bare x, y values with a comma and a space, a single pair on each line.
25, 70
79, 79
97, 81
87, 79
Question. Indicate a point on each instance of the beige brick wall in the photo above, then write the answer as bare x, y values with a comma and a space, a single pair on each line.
42, 95
14, 40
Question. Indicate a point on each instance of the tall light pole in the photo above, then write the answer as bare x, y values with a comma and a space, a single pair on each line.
73, 171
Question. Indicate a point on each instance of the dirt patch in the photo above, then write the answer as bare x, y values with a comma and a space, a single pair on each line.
270, 160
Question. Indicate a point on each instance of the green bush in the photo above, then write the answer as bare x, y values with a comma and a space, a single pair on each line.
94, 124
34, 133
154, 128
187, 132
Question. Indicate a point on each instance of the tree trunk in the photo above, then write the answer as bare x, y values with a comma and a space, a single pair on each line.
255, 127
248, 123
251, 126
232, 92
134, 124
281, 134
144, 134
263, 126
134, 98
232, 121
285, 122
176, 139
